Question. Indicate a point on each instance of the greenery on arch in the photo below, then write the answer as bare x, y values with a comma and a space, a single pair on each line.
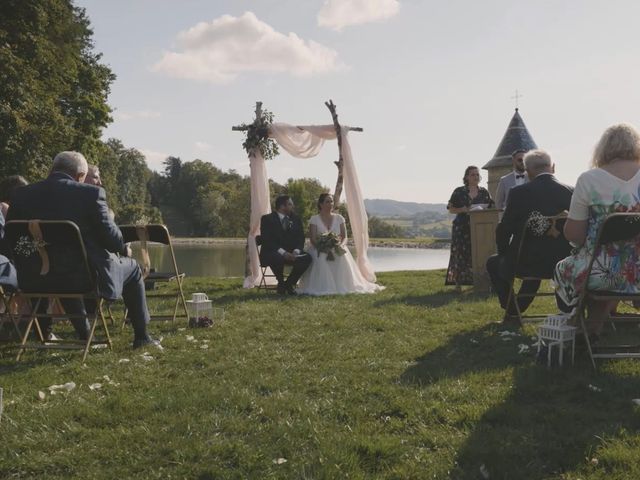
257, 136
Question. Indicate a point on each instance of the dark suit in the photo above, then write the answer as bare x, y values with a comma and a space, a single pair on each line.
540, 254
60, 197
275, 236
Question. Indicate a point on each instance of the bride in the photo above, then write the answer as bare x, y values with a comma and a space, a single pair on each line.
340, 275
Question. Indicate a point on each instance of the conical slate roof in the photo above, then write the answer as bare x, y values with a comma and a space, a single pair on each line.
517, 136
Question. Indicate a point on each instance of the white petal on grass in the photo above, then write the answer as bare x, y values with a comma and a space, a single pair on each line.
279, 461
66, 387
95, 386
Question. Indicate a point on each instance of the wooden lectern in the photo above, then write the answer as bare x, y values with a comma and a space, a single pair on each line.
483, 245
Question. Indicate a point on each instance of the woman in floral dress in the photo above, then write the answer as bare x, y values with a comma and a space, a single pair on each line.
460, 268
612, 185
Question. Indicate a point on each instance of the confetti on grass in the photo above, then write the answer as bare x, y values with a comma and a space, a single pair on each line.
67, 387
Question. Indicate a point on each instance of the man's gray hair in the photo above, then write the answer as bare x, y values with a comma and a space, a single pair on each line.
71, 163
536, 160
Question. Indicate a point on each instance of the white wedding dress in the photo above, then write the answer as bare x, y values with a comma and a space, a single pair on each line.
331, 277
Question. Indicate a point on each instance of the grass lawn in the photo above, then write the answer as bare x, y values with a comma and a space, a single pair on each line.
414, 382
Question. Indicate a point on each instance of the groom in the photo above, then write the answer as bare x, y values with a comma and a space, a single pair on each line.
282, 241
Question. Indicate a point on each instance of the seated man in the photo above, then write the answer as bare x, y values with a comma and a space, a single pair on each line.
540, 253
283, 242
64, 196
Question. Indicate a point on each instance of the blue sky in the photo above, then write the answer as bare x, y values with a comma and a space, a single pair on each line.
430, 82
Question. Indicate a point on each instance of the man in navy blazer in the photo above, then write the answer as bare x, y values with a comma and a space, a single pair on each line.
64, 196
283, 242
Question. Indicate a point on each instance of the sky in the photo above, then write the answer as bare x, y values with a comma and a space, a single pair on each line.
430, 82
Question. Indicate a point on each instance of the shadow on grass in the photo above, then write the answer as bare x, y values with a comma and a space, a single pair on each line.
437, 299
551, 422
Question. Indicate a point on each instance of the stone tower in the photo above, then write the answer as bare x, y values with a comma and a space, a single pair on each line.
517, 136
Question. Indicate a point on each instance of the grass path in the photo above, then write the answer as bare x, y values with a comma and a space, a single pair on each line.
414, 382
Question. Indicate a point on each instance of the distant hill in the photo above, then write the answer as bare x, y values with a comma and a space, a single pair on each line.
393, 208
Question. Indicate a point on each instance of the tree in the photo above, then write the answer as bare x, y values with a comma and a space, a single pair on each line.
53, 88
305, 193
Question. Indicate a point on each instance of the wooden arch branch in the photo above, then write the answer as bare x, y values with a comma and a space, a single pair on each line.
340, 163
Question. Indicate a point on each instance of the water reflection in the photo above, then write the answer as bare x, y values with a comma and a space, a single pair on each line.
228, 260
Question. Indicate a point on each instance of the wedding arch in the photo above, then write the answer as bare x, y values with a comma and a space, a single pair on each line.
263, 139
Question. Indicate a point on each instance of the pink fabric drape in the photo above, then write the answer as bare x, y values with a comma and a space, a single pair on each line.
260, 205
306, 142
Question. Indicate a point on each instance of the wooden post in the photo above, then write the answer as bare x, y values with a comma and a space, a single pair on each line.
340, 163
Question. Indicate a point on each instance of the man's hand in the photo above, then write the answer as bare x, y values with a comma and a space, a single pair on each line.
127, 250
289, 257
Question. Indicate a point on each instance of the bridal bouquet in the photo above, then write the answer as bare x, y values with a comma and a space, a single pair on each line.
329, 243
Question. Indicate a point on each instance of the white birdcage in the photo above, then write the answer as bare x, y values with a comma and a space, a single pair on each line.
555, 331
200, 310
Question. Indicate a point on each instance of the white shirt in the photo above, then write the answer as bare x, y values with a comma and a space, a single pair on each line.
521, 180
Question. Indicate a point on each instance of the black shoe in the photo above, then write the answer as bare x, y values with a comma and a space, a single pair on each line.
291, 291
147, 342
281, 290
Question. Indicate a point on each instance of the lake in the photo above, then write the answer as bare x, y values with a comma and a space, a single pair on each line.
227, 260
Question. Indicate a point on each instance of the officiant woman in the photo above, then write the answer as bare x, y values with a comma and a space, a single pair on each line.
463, 199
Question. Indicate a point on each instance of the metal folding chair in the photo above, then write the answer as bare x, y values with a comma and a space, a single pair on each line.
265, 271
51, 262
6, 314
553, 231
616, 230
157, 233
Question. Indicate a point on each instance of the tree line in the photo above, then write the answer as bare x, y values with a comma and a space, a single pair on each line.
53, 97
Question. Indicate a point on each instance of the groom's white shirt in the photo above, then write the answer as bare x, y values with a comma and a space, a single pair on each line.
282, 251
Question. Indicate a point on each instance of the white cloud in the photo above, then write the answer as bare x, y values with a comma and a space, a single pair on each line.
220, 50
203, 146
136, 115
337, 14
154, 159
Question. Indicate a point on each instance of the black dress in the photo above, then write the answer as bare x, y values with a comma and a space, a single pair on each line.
460, 271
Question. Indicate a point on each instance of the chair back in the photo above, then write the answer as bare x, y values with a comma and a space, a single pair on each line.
157, 233
546, 232
619, 227
49, 256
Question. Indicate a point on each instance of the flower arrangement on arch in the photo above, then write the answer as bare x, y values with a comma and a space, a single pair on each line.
257, 136
330, 244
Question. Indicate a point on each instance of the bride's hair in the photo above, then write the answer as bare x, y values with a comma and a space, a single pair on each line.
322, 198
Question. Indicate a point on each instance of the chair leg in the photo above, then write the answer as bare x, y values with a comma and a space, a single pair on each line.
32, 318
104, 322
175, 308
184, 301
96, 314
586, 336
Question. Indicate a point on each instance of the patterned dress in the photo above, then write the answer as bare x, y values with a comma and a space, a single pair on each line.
599, 193
460, 270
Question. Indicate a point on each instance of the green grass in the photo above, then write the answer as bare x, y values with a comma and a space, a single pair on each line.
414, 382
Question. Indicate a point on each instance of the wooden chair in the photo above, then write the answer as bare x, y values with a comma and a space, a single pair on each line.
617, 229
51, 262
553, 231
157, 233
